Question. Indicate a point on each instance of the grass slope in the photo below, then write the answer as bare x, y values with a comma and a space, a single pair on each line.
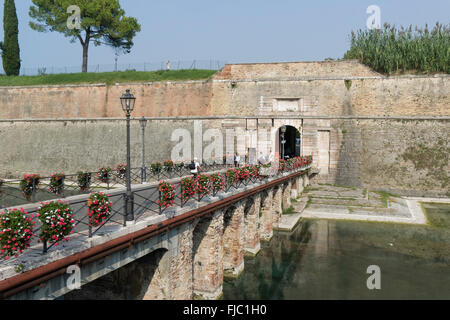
106, 77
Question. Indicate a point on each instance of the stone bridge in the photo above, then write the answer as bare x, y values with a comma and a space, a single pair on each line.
184, 253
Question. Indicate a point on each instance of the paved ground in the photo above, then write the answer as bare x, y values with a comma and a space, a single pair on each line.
332, 202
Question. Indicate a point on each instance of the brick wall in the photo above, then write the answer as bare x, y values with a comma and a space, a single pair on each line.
157, 99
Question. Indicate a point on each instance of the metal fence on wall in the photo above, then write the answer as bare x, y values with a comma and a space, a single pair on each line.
143, 66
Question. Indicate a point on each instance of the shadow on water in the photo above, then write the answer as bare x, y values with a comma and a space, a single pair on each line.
329, 259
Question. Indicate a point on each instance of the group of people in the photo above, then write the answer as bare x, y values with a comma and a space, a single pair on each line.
196, 168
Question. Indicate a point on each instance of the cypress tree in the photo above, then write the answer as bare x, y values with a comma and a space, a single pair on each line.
10, 45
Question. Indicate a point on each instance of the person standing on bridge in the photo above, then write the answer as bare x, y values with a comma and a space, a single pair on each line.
237, 159
195, 167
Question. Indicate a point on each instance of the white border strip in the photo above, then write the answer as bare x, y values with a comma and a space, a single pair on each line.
414, 205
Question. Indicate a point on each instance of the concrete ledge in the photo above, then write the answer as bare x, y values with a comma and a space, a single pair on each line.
253, 252
288, 222
234, 273
335, 78
358, 217
206, 295
265, 116
267, 238
81, 85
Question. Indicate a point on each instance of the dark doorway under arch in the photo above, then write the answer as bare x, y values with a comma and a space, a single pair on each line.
292, 142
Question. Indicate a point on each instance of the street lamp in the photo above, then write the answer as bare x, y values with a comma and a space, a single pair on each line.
143, 123
283, 132
128, 100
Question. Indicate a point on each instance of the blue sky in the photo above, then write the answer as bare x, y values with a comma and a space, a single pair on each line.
230, 30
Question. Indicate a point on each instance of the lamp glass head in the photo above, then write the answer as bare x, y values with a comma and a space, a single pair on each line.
143, 122
127, 100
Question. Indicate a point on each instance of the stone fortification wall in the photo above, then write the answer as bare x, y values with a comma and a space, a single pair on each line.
388, 132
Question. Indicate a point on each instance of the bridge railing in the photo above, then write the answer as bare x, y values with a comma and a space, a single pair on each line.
148, 198
14, 193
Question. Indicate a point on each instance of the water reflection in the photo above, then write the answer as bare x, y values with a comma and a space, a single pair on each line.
328, 260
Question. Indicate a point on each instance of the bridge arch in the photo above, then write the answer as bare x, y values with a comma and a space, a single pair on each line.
249, 205
147, 278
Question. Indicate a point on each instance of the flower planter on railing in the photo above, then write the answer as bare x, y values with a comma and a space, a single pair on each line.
29, 185
179, 166
56, 185
243, 174
156, 168
218, 183
232, 177
104, 175
99, 209
121, 171
203, 186
188, 189
16, 231
57, 223
84, 181
169, 165
166, 195
282, 165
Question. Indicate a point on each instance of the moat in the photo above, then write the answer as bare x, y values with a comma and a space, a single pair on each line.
328, 259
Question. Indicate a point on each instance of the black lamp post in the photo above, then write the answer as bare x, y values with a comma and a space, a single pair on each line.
128, 100
143, 123
283, 132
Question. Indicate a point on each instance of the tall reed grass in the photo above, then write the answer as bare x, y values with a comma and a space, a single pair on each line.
391, 50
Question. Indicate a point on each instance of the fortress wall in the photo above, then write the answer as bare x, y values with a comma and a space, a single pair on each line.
50, 146
410, 157
405, 156
344, 95
47, 147
407, 151
100, 101
396, 96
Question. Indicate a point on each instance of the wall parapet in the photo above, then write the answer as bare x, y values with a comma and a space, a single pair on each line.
326, 78
265, 117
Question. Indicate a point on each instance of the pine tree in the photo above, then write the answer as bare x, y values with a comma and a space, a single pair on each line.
101, 22
10, 45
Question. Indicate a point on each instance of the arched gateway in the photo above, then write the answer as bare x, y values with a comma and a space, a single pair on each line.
288, 142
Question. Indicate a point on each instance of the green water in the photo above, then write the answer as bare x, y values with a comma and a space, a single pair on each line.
326, 259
